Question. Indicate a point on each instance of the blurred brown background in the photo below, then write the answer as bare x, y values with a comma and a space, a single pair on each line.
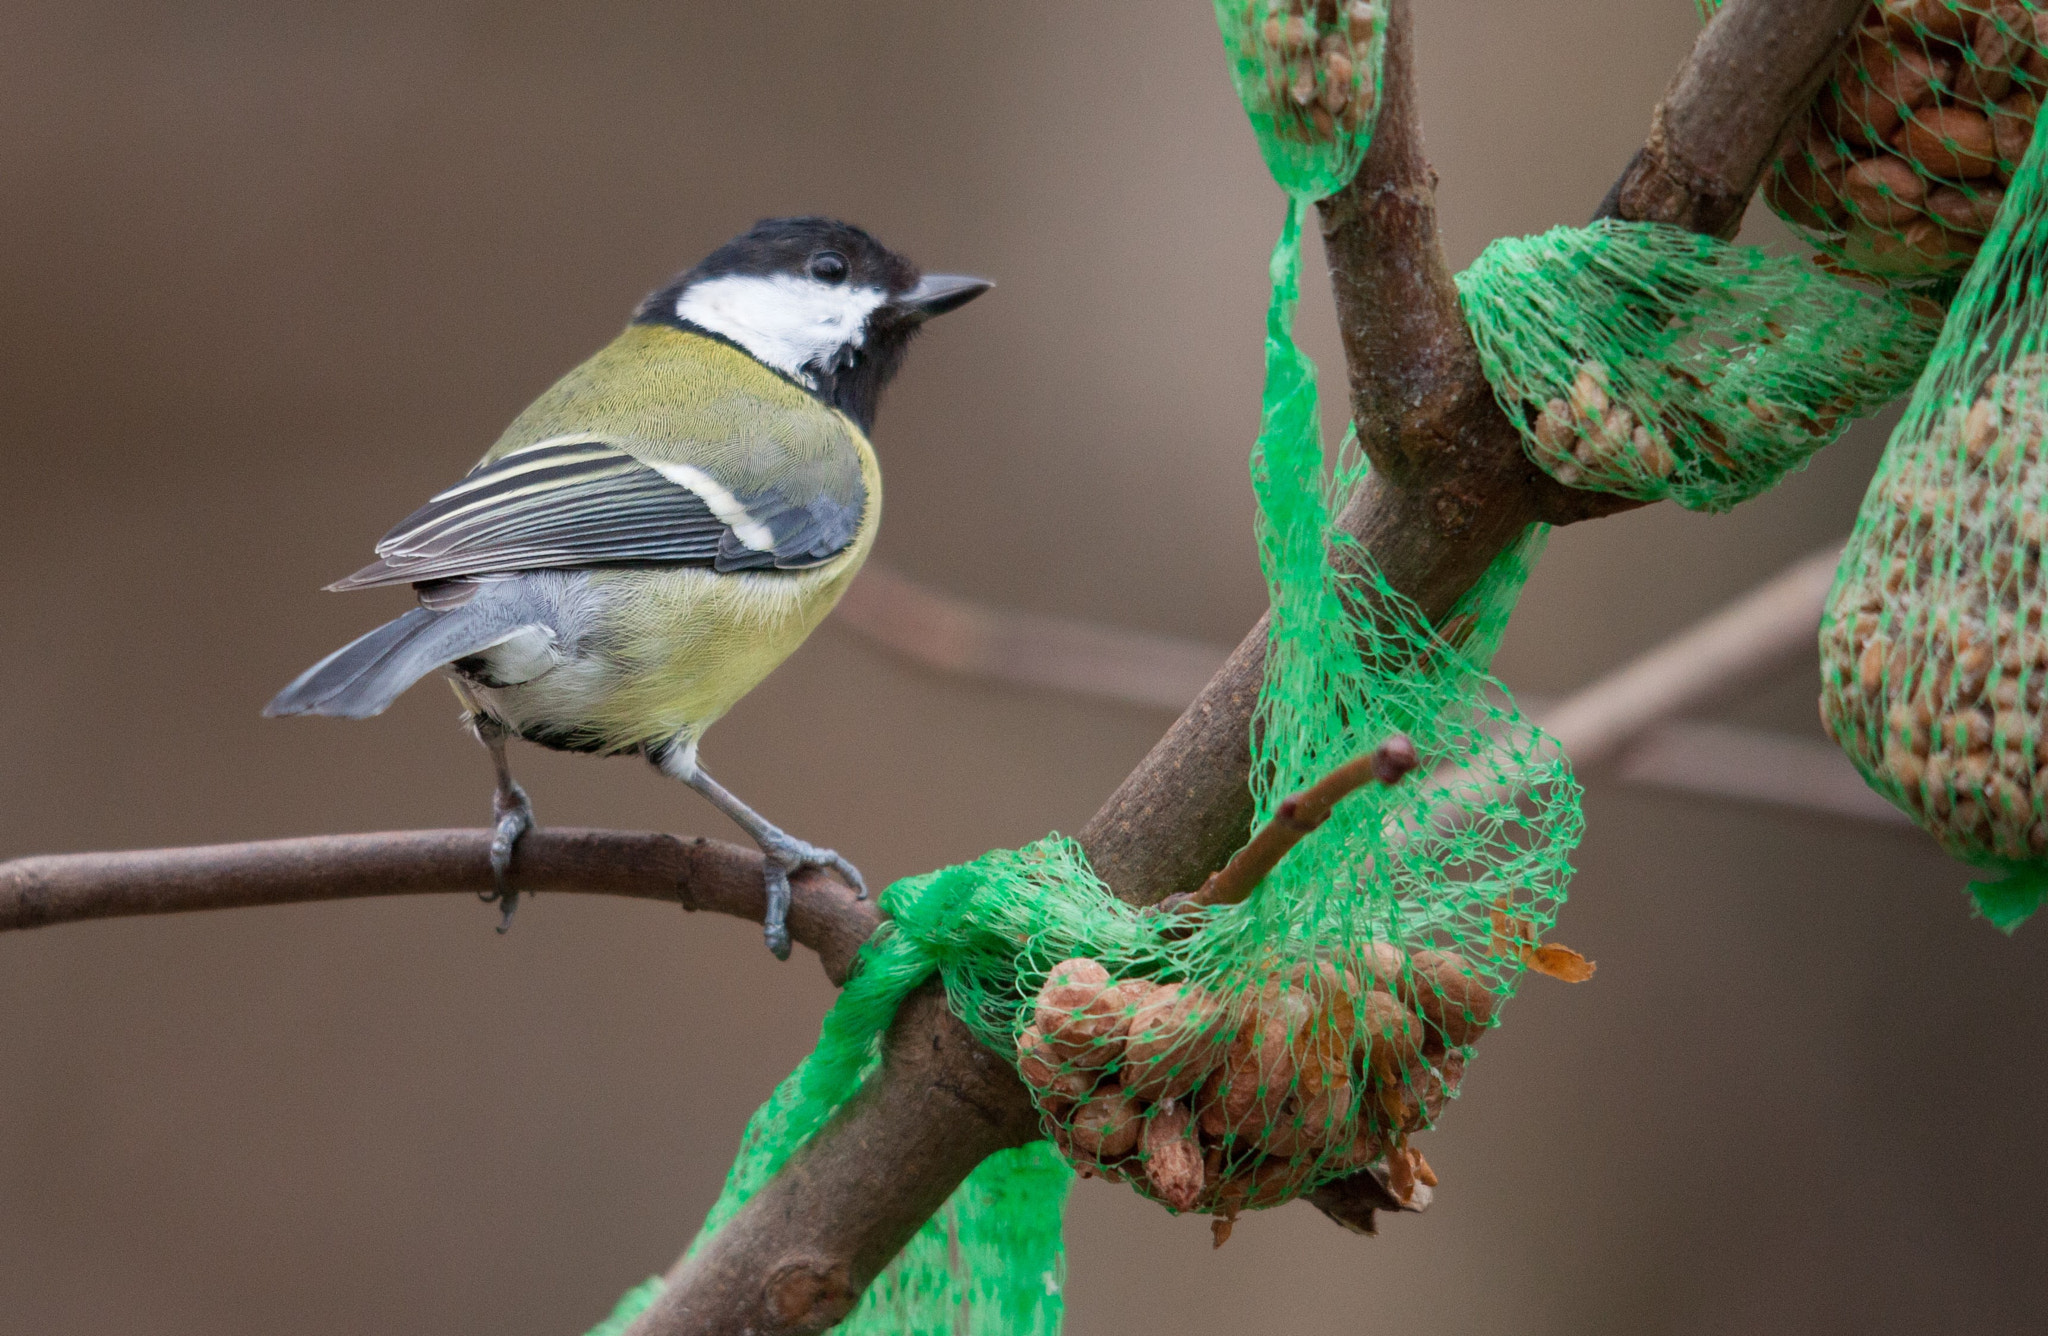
272, 274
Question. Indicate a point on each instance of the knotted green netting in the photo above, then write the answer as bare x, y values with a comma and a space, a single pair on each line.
1652, 362
1934, 659
1234, 1057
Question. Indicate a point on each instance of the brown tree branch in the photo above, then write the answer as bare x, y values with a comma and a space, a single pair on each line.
1450, 491
1640, 735
697, 874
1754, 69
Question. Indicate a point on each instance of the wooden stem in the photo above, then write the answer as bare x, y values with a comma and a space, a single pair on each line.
1291, 822
697, 874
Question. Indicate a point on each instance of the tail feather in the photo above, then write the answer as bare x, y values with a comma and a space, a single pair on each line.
363, 677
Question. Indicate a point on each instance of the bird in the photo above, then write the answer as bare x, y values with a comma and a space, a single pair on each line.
659, 530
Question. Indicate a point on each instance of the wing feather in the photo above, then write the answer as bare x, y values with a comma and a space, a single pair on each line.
568, 503
580, 503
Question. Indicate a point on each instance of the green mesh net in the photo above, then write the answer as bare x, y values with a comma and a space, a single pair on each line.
1651, 362
1233, 1057
1903, 161
1934, 660
1308, 73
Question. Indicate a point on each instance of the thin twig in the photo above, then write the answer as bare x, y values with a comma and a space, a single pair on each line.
1755, 633
1629, 720
694, 873
1292, 822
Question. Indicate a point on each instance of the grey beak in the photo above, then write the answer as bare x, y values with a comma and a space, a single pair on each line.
936, 294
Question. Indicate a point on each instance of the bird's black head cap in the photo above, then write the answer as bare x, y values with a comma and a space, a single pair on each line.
815, 299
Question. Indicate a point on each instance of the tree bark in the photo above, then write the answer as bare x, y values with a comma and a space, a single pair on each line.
1712, 135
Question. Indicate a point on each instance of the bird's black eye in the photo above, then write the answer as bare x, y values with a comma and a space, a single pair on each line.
828, 267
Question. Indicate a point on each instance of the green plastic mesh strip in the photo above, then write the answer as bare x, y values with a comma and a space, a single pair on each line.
989, 1263
1650, 362
1234, 1059
1934, 658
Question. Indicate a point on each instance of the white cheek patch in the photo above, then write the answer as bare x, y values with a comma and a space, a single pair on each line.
722, 502
792, 324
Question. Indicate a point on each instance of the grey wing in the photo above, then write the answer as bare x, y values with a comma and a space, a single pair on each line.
800, 532
588, 503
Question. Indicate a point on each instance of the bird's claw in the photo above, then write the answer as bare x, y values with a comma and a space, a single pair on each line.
514, 817
784, 858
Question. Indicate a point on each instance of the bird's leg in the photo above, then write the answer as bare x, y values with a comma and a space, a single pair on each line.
512, 817
782, 852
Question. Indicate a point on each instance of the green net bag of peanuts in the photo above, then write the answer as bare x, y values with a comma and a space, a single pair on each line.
1934, 657
1651, 362
1308, 73
1901, 165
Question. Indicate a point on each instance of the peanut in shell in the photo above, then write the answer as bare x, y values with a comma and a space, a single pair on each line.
1952, 142
1921, 247
1078, 1011
1884, 191
1806, 188
1452, 997
1056, 1082
1107, 1125
1943, 19
1998, 43
2012, 129
1173, 1040
1968, 213
1874, 81
1383, 964
1307, 1122
1172, 1157
1258, 1072
1389, 1036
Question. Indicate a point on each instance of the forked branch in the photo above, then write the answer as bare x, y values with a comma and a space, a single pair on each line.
1450, 490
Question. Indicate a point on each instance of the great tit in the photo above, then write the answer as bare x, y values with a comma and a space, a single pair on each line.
660, 529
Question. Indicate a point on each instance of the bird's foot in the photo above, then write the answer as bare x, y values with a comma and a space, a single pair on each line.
783, 857
513, 817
